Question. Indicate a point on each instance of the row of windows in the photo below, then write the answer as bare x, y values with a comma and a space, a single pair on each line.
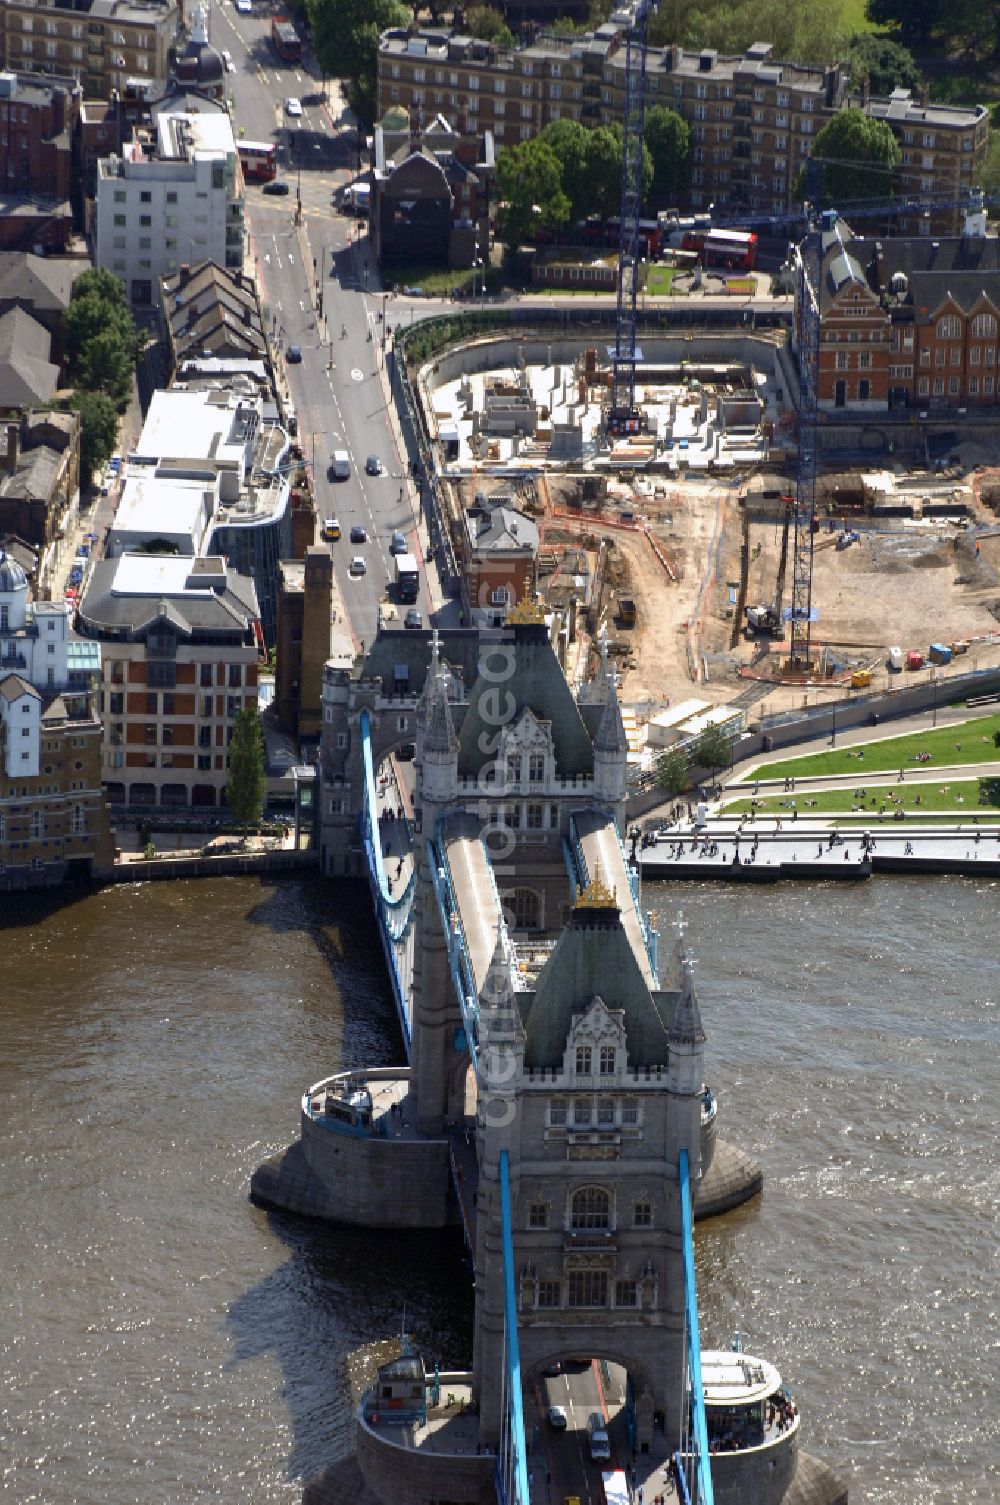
587, 1288
587, 1111
204, 763
590, 1208
206, 705
164, 676
607, 1060
36, 825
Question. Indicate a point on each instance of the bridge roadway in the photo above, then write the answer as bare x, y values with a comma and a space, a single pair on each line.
602, 852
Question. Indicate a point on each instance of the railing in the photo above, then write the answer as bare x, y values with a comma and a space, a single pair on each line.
694, 1472
394, 913
512, 1462
459, 960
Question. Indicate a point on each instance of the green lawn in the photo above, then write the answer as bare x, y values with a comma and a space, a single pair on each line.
658, 280
958, 795
966, 742
855, 18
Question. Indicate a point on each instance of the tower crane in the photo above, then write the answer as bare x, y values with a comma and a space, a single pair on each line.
624, 416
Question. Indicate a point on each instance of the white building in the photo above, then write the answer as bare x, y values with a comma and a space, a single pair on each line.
209, 475
174, 196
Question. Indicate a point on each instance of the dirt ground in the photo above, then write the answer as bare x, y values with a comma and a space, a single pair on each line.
905, 584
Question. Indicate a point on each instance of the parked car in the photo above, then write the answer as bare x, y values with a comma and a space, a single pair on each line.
276, 186
293, 106
359, 534
373, 466
293, 355
358, 565
413, 618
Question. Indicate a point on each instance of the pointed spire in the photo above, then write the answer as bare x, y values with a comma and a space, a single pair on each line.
686, 1027
611, 736
440, 734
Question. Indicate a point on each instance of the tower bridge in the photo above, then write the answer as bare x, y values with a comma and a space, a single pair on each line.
554, 1102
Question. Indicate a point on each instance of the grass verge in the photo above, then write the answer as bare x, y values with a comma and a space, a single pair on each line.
966, 742
965, 796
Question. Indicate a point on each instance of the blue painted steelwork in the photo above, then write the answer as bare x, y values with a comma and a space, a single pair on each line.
459, 961
394, 913
703, 1494
512, 1459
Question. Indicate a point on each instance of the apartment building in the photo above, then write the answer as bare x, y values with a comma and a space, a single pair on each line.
943, 150
173, 196
37, 120
910, 322
53, 820
753, 118
180, 642
99, 42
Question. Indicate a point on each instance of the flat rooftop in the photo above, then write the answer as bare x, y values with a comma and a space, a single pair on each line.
168, 506
213, 425
736, 1378
166, 575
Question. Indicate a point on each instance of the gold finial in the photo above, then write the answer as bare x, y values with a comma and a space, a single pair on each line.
597, 894
529, 611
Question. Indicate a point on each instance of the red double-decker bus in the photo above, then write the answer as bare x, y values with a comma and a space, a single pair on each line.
729, 250
285, 40
258, 159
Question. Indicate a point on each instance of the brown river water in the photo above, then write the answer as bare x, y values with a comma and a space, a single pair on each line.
163, 1341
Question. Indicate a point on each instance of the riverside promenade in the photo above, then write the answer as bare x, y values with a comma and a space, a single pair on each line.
764, 825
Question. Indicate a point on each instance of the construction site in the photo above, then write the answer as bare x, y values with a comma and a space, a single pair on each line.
681, 556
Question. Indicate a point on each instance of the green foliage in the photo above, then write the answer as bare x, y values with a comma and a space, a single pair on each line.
989, 177
886, 64
668, 147
811, 31
102, 342
915, 19
246, 766
861, 156
569, 139
529, 183
98, 431
672, 771
713, 749
345, 40
488, 25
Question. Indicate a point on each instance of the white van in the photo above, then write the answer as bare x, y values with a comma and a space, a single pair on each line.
597, 1434
340, 465
894, 659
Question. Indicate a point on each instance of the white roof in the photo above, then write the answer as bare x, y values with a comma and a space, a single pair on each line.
717, 715
157, 575
164, 507
736, 1378
205, 133
674, 715
191, 425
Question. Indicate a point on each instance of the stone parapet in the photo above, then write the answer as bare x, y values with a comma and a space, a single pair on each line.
733, 1178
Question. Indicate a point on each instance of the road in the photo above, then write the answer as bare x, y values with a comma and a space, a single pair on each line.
336, 389
566, 1454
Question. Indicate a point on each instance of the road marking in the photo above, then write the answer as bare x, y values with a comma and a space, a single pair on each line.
357, 375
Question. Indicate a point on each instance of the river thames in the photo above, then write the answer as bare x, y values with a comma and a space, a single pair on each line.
161, 1339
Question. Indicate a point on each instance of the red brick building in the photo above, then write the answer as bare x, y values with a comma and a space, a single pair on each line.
910, 323
38, 117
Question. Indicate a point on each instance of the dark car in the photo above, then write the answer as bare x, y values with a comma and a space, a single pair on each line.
373, 465
358, 534
276, 186
293, 354
413, 618
293, 425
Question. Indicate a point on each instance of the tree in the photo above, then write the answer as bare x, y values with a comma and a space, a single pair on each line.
106, 364
488, 25
529, 185
98, 282
569, 139
884, 63
98, 306
713, 749
246, 766
98, 431
861, 156
668, 145
345, 40
916, 19
672, 771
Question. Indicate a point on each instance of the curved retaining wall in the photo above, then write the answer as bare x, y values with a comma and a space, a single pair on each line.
408, 1476
761, 1475
375, 1183
733, 1178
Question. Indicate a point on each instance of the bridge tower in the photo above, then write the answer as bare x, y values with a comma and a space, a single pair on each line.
595, 1084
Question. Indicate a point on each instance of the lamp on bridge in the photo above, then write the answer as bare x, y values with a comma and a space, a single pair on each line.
529, 612
597, 894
